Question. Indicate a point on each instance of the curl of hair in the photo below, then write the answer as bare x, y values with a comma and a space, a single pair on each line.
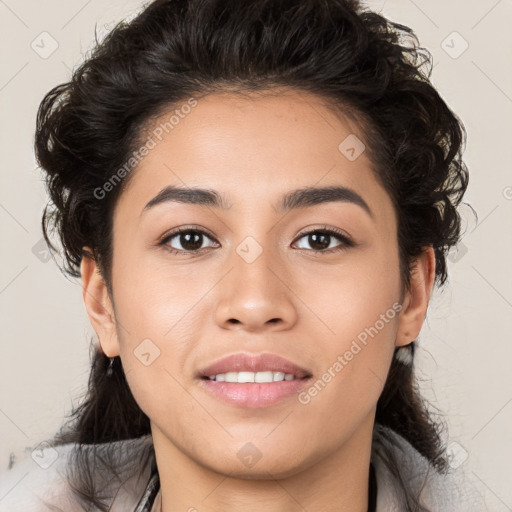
361, 63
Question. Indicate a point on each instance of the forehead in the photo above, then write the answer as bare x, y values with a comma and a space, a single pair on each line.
257, 145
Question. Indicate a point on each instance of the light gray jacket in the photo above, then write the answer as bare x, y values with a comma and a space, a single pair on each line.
38, 482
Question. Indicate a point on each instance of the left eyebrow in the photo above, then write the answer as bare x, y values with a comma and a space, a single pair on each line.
300, 198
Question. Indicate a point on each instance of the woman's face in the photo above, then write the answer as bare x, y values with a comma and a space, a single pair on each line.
247, 281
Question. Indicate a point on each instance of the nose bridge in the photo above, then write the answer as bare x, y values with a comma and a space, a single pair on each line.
254, 292
255, 266
255, 250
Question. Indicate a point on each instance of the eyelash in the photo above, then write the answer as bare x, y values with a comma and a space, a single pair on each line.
346, 241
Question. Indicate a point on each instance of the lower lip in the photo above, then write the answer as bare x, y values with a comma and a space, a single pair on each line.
252, 394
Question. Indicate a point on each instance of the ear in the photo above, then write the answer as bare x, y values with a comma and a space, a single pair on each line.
415, 303
98, 305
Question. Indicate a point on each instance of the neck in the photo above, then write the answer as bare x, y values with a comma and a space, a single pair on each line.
340, 477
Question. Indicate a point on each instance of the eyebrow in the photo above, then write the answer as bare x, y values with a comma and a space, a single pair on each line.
300, 198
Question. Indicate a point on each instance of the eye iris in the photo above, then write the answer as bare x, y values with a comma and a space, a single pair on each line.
320, 240
187, 244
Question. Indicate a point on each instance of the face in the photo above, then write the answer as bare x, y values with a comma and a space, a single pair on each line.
317, 284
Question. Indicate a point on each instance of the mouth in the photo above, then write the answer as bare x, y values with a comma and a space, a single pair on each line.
244, 367
257, 377
253, 380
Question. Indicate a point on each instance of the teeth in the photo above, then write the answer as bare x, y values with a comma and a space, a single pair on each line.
252, 377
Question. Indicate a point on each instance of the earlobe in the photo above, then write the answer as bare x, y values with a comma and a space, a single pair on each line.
414, 308
99, 306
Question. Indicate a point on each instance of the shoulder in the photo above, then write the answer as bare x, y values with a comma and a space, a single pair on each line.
437, 492
40, 482
37, 478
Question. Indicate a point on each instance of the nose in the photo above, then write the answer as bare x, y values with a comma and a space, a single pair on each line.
257, 294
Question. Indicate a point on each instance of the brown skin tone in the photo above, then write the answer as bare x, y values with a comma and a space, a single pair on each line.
254, 150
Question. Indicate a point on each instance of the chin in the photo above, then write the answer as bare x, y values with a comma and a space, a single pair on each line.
261, 467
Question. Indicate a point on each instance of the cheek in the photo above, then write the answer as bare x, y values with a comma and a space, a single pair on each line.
154, 301
159, 312
358, 306
355, 363
352, 295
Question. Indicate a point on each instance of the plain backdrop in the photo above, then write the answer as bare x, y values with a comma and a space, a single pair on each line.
465, 346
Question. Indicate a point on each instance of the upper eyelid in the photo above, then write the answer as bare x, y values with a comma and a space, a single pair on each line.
332, 231
182, 230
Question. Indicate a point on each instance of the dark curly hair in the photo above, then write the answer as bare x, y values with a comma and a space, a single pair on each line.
360, 62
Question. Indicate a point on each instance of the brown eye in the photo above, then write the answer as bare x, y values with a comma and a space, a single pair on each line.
321, 240
185, 240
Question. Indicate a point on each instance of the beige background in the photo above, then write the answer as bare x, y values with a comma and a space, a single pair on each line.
466, 343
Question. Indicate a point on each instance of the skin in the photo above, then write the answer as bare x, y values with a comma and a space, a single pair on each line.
254, 150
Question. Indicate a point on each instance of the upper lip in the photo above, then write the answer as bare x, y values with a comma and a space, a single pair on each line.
245, 362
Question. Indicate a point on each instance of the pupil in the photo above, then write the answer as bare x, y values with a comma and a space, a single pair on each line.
314, 240
186, 243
